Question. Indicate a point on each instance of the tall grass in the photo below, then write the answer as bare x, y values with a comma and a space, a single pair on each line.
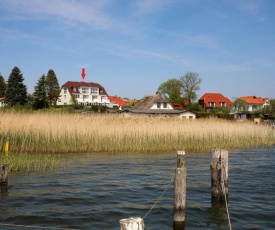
42, 132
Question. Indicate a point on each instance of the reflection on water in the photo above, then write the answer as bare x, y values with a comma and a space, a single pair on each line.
95, 191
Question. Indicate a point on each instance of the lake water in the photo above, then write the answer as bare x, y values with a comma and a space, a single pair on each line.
95, 191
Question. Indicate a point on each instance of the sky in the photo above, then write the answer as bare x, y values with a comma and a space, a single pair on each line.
130, 47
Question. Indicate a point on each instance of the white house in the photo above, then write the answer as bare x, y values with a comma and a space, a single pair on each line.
153, 102
255, 103
2, 101
85, 93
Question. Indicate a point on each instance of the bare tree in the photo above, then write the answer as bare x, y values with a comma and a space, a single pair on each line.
190, 84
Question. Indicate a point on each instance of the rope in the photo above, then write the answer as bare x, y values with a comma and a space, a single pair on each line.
223, 189
172, 179
37, 227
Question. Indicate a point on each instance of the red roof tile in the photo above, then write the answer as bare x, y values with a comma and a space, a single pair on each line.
254, 100
74, 84
118, 100
217, 98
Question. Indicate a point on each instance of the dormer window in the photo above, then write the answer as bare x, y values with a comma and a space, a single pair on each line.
223, 104
74, 89
212, 104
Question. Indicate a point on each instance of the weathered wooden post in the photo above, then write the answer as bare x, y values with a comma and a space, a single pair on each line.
4, 168
219, 174
180, 192
132, 223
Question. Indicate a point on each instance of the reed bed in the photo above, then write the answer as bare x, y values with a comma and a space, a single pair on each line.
44, 132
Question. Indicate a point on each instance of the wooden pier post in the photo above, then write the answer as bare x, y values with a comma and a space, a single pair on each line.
132, 223
4, 168
180, 192
219, 174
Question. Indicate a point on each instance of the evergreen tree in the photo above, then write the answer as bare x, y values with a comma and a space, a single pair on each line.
16, 92
52, 86
3, 86
40, 94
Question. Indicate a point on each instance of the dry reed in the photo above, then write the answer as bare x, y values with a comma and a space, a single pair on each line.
43, 132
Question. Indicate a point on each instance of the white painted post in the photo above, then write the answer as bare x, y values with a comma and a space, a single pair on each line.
132, 223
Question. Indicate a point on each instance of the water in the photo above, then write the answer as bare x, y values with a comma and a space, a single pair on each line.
96, 191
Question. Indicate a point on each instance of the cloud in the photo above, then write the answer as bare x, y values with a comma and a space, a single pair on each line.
69, 11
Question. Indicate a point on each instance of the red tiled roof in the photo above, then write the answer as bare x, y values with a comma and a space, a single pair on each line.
118, 100
217, 98
2, 98
74, 84
254, 100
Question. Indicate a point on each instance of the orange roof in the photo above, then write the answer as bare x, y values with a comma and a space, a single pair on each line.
118, 100
74, 84
217, 98
254, 100
2, 98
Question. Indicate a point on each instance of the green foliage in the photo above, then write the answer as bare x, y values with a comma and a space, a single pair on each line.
40, 94
3, 86
52, 86
171, 89
220, 110
195, 107
215, 115
239, 105
16, 92
190, 83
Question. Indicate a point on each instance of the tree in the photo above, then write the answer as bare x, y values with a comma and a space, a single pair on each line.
195, 107
16, 92
52, 86
3, 86
239, 105
40, 94
190, 83
171, 90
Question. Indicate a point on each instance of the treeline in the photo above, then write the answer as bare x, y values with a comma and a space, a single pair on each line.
15, 93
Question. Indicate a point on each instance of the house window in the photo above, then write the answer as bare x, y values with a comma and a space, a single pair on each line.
158, 105
212, 104
85, 97
94, 90
64, 96
76, 95
94, 98
254, 107
74, 89
85, 90
65, 90
103, 98
165, 105
223, 104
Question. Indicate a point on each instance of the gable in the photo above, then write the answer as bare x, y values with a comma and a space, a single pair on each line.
215, 100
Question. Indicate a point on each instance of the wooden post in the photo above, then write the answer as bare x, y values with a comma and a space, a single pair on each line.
180, 192
219, 174
132, 223
4, 173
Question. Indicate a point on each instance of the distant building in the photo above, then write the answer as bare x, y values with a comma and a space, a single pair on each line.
210, 101
85, 93
117, 101
2, 101
255, 103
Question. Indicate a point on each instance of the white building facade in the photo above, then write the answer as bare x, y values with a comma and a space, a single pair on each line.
84, 93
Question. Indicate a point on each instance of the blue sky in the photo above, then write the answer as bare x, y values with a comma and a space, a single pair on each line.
130, 47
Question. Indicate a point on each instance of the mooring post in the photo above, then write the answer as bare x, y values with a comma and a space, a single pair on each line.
180, 192
219, 174
4, 168
132, 223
